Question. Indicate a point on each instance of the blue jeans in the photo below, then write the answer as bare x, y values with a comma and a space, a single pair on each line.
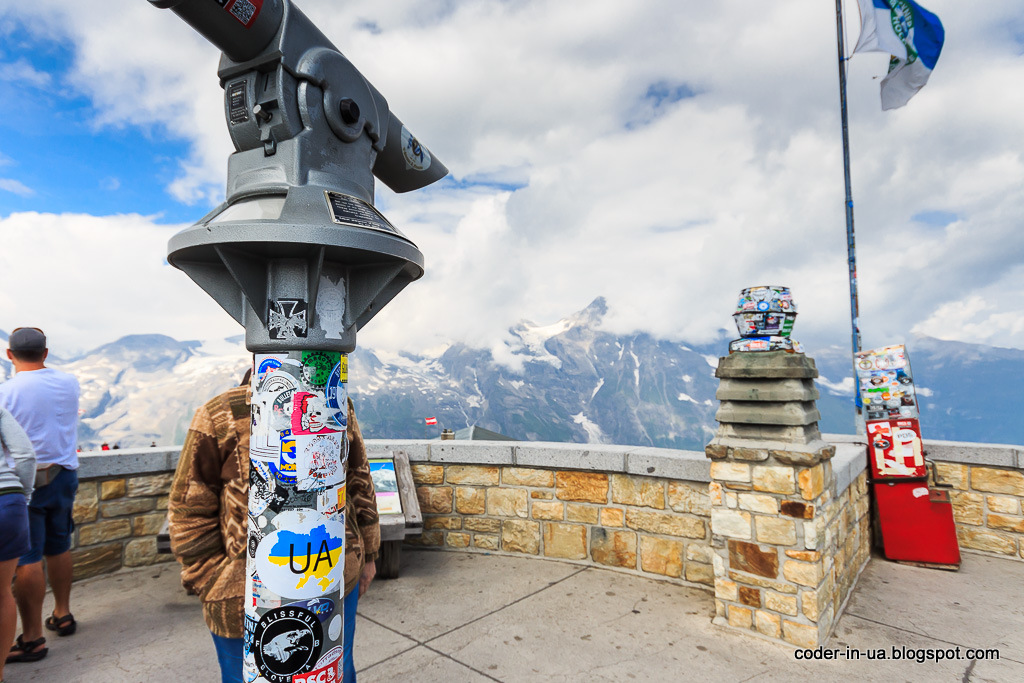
229, 650
229, 656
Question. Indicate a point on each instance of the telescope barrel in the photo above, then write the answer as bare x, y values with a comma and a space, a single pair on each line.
239, 28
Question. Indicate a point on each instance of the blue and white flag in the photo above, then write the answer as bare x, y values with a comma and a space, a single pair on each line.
908, 32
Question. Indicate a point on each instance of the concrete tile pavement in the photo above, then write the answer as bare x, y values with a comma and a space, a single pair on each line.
473, 617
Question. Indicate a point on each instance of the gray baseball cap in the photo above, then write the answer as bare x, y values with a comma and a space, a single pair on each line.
27, 339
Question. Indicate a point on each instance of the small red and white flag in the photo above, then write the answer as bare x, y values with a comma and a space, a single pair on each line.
431, 420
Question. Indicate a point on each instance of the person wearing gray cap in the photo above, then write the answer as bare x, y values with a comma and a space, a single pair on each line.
44, 402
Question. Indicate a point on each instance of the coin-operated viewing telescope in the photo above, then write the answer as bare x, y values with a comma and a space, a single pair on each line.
297, 253
299, 256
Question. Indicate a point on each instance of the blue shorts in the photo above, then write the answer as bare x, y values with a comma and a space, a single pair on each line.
13, 526
49, 517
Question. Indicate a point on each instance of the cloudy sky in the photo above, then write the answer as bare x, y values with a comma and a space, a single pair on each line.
660, 153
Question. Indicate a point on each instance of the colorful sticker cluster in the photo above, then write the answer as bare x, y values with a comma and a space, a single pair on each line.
886, 384
296, 545
764, 317
766, 300
896, 448
887, 394
765, 344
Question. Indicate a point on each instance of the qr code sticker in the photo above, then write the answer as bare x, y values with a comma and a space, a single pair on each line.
243, 10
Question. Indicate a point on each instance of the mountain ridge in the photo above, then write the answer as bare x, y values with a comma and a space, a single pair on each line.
568, 381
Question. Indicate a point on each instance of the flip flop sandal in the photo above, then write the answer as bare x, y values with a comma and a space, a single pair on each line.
26, 654
64, 626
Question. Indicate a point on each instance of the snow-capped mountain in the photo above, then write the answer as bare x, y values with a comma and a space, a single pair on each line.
569, 381
144, 388
563, 382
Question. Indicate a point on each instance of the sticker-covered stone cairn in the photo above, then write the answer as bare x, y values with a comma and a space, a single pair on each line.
785, 550
764, 317
298, 448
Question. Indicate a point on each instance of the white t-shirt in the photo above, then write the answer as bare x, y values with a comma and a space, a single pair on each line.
45, 404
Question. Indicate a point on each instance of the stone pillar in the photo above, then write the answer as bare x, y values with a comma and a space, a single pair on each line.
771, 485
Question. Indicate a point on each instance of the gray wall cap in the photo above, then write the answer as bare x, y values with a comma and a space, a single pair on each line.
847, 464
964, 452
997, 455
472, 452
670, 464
417, 450
850, 459
126, 461
572, 456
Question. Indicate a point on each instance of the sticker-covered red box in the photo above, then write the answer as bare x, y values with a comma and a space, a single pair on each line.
896, 449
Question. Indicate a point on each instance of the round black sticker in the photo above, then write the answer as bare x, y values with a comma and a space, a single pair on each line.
287, 642
254, 542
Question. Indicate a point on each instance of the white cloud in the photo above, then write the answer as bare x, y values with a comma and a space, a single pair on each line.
667, 208
88, 280
23, 72
16, 187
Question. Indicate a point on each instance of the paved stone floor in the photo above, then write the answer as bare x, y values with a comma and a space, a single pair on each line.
470, 617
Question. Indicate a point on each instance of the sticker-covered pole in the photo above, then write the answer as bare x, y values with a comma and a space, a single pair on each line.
300, 257
294, 621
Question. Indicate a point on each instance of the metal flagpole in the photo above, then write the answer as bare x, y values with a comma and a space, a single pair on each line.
851, 249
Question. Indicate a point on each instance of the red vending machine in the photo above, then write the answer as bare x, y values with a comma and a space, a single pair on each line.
916, 520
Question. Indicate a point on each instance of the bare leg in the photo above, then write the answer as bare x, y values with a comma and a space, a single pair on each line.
29, 591
59, 571
8, 610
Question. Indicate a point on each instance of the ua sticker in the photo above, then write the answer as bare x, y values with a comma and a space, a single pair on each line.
304, 558
286, 642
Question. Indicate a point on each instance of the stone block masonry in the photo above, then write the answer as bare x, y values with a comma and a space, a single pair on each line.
787, 543
780, 533
650, 526
987, 507
117, 520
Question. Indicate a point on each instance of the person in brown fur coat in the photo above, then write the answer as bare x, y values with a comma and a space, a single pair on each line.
208, 522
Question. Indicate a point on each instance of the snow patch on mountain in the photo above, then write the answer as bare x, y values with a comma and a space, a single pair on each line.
594, 433
569, 381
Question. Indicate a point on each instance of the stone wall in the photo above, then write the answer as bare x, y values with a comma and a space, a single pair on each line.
123, 495
789, 541
986, 507
120, 507
632, 509
647, 525
987, 496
